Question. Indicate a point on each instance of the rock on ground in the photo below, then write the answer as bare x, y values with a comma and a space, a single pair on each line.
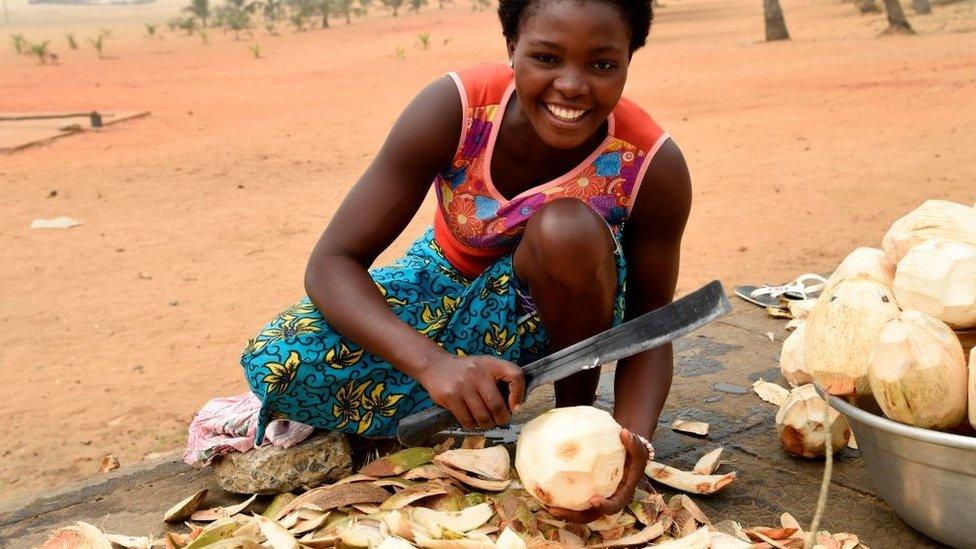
323, 457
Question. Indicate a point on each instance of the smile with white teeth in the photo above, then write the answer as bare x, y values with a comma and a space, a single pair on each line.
564, 114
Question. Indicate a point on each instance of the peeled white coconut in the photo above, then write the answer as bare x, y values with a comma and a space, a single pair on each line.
939, 277
800, 424
933, 219
918, 372
841, 332
566, 456
791, 358
864, 260
972, 387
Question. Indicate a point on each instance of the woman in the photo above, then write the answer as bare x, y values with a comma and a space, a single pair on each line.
537, 167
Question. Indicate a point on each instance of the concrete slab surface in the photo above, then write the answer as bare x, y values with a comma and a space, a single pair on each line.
730, 353
25, 129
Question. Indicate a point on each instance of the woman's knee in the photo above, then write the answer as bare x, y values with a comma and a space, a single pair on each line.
567, 243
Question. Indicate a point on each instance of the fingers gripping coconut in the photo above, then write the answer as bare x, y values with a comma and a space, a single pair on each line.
579, 462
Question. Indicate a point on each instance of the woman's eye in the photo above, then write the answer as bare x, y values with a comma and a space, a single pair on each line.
545, 58
604, 65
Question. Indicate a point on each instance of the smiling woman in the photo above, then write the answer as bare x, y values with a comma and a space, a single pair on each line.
537, 168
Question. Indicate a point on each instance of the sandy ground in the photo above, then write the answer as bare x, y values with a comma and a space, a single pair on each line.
198, 219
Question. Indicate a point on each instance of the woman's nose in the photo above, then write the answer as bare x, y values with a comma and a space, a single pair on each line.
571, 83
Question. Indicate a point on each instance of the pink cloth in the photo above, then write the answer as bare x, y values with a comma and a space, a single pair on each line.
229, 424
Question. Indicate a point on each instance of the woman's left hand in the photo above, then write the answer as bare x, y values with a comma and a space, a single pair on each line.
634, 464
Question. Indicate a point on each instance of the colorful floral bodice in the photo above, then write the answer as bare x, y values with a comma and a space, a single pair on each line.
476, 225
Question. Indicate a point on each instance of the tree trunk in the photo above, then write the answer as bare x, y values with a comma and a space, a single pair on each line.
922, 7
897, 22
325, 19
775, 24
868, 6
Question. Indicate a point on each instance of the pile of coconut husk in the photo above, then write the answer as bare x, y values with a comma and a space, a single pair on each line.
465, 498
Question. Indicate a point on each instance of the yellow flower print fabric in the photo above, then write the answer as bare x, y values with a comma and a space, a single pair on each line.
303, 370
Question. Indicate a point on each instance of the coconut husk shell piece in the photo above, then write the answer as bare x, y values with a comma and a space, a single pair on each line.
185, 508
222, 529
482, 484
770, 392
681, 501
395, 482
508, 539
491, 463
412, 494
361, 532
687, 481
335, 496
171, 540
130, 542
699, 428
642, 537
397, 463
215, 513
769, 533
81, 534
463, 543
425, 472
708, 463
435, 522
277, 504
358, 477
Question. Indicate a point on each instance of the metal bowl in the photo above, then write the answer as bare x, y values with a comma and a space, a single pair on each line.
928, 477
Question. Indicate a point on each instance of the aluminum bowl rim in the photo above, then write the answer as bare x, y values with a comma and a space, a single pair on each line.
908, 431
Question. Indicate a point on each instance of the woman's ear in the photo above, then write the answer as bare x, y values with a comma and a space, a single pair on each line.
510, 47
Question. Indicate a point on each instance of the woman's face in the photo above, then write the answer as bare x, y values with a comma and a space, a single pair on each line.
571, 59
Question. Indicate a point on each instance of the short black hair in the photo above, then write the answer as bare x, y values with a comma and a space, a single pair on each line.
637, 13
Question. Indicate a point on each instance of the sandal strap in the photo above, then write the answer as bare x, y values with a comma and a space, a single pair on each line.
796, 286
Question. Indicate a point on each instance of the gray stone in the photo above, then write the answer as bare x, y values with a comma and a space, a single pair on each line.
323, 457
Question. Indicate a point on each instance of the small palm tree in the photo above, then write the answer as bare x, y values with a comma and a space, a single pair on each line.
392, 5
70, 37
199, 9
20, 44
256, 50
99, 44
40, 50
150, 29
424, 39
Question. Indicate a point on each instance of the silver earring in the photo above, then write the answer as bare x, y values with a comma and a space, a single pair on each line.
511, 64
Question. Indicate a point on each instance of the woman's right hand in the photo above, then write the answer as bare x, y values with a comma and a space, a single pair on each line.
468, 387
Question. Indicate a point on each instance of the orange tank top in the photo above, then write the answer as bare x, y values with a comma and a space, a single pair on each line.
475, 225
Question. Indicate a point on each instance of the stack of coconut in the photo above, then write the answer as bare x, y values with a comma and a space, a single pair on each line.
888, 322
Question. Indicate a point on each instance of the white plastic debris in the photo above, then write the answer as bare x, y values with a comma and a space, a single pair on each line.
61, 222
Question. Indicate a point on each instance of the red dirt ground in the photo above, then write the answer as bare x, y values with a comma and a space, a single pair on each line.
198, 219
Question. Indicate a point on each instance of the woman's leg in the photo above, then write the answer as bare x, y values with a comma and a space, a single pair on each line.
566, 258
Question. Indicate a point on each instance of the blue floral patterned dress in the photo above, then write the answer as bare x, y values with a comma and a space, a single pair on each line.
303, 370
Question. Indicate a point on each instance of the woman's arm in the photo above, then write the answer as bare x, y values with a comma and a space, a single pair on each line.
421, 144
652, 246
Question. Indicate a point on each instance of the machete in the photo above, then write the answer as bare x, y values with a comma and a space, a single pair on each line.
637, 335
